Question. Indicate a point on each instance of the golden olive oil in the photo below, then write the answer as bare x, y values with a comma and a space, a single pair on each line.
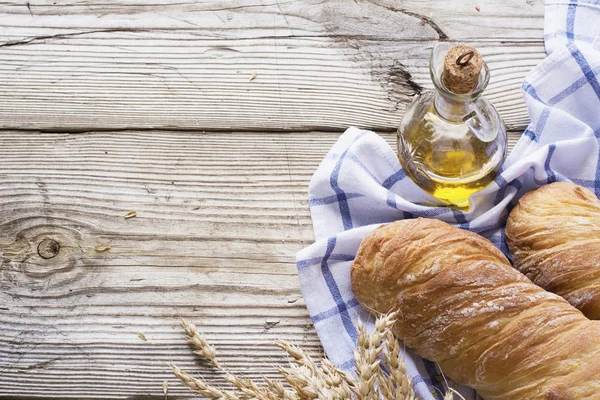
447, 159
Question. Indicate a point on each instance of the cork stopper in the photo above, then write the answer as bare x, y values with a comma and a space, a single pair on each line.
462, 65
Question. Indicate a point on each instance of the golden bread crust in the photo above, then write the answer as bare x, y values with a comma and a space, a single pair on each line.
461, 304
554, 237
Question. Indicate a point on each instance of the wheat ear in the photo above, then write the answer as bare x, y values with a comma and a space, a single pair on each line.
396, 384
366, 356
309, 380
277, 388
204, 349
201, 387
201, 346
316, 378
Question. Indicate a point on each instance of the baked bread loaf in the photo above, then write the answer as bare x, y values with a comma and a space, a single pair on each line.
461, 304
554, 237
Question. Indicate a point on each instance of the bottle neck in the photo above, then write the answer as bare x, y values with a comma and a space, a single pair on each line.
454, 107
452, 110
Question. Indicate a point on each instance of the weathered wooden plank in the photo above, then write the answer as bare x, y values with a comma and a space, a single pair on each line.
496, 19
219, 219
187, 65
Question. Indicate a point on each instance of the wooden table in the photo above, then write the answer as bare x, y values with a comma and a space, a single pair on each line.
207, 118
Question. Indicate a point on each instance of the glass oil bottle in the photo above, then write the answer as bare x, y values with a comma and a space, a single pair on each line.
451, 141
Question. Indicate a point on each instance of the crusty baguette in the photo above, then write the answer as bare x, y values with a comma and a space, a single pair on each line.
554, 237
460, 303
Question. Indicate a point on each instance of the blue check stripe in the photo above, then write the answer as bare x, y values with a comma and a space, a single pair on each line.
550, 174
433, 212
502, 245
530, 90
334, 290
418, 379
333, 311
500, 194
571, 21
485, 228
541, 123
309, 262
389, 183
517, 184
549, 171
530, 134
563, 33
347, 365
433, 372
572, 88
585, 68
408, 215
589, 183
580, 3
391, 200
503, 188
362, 166
393, 179
342, 199
499, 180
460, 217
332, 199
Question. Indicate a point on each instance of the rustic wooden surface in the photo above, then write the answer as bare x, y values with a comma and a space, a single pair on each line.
187, 65
107, 107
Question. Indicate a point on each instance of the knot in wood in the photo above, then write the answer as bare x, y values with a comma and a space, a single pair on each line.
48, 248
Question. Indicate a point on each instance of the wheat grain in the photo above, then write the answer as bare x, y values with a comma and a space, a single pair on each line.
342, 383
300, 378
396, 384
202, 347
299, 356
248, 387
201, 387
366, 357
322, 380
130, 214
277, 388
307, 380
333, 370
165, 387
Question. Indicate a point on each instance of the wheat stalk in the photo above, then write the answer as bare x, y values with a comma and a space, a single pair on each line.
380, 371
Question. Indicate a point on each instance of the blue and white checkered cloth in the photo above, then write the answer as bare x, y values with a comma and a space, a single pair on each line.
360, 184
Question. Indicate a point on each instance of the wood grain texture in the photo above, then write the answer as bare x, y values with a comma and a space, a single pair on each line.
219, 219
187, 65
